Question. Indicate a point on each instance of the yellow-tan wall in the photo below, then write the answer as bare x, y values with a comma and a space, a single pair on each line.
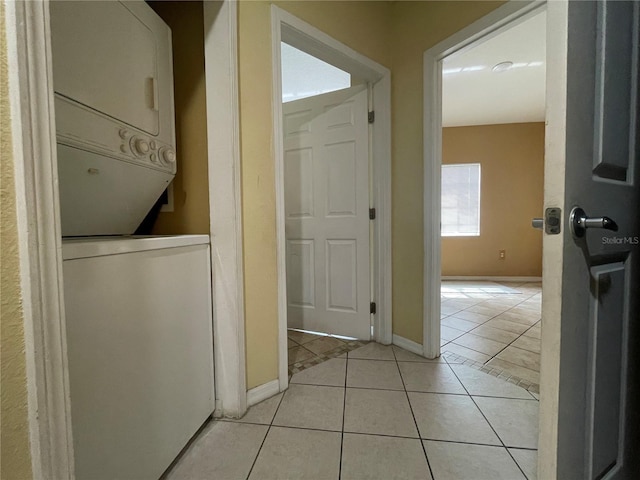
364, 27
511, 161
395, 34
191, 184
416, 27
15, 452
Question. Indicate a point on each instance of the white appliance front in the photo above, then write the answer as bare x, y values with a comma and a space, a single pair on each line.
113, 82
100, 198
140, 351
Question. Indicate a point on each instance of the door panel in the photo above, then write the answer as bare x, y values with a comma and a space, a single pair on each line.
327, 212
342, 275
341, 180
299, 181
301, 259
605, 364
598, 274
615, 110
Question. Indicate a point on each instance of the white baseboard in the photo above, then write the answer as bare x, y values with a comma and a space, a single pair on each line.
408, 345
262, 392
494, 279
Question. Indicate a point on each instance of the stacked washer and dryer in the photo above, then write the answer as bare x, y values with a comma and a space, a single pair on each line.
138, 309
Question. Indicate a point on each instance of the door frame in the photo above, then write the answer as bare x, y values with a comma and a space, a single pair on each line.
286, 27
33, 134
486, 27
225, 205
490, 25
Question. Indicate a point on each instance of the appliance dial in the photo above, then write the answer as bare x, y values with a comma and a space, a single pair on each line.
139, 146
168, 155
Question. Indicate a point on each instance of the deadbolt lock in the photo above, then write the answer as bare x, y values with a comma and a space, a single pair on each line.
552, 220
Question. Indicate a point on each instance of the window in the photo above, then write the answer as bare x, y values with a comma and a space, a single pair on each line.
461, 200
304, 75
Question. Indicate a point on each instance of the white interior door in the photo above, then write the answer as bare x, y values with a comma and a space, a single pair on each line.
590, 411
326, 163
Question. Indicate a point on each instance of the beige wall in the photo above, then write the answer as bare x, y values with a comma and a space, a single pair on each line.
364, 27
15, 457
416, 27
511, 161
191, 185
394, 34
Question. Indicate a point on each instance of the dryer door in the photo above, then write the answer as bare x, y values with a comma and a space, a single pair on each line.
113, 57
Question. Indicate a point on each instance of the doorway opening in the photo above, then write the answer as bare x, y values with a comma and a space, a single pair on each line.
484, 163
332, 167
493, 118
326, 187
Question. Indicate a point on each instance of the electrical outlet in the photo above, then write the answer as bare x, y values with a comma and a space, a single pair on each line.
503, 254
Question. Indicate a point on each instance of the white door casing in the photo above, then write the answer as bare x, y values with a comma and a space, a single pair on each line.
286, 27
326, 167
589, 370
502, 18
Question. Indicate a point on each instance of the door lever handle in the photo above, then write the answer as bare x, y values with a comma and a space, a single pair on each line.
580, 222
537, 223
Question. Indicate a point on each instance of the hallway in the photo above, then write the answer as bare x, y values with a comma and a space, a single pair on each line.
376, 412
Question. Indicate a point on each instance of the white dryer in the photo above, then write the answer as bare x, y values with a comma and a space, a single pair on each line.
113, 81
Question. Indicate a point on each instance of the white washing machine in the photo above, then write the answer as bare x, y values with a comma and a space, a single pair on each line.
139, 343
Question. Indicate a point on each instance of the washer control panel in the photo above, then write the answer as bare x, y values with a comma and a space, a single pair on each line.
147, 149
92, 131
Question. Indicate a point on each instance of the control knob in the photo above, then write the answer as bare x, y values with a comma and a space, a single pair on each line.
168, 156
140, 146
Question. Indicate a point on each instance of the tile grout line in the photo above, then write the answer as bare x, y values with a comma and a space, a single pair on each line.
424, 449
477, 365
511, 344
491, 318
487, 420
410, 391
266, 435
344, 411
386, 435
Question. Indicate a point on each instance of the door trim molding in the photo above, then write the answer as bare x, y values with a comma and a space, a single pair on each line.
39, 233
408, 345
225, 205
486, 27
288, 28
262, 392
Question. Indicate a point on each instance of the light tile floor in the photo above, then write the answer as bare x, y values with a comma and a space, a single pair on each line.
379, 412
494, 324
307, 349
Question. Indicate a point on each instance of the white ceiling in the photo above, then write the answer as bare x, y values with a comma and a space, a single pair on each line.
473, 94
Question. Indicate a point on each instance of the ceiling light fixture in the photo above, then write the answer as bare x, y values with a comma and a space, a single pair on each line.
502, 67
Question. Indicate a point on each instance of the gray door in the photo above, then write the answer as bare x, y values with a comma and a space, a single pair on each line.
597, 339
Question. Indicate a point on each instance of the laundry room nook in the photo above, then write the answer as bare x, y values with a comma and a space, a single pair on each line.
131, 135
